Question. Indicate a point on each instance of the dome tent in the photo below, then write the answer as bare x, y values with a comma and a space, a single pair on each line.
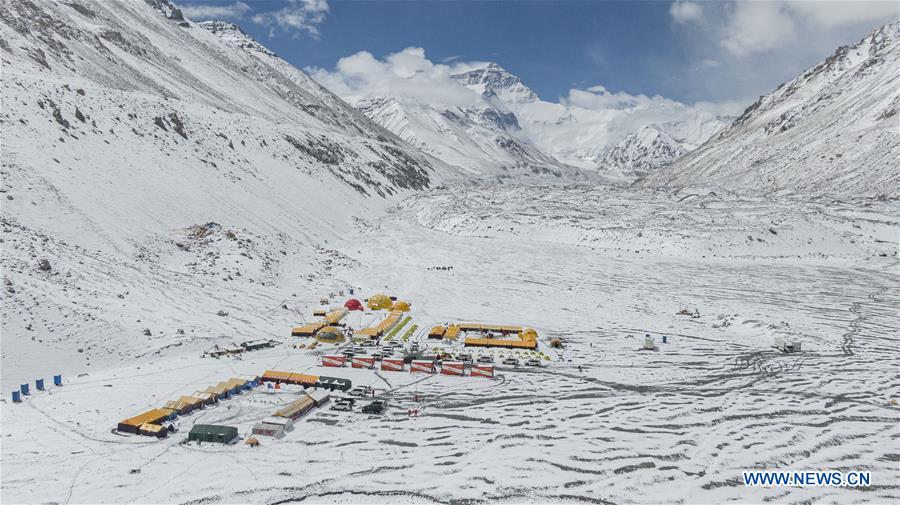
353, 304
401, 306
380, 302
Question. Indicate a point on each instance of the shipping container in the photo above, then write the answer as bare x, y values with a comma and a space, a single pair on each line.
452, 368
334, 360
363, 362
482, 370
419, 365
392, 364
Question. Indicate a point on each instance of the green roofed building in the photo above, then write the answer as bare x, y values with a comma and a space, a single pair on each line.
213, 433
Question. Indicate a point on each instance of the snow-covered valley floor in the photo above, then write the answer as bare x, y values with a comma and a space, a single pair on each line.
602, 422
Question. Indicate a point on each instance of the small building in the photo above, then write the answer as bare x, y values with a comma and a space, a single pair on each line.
296, 408
133, 424
308, 330
213, 433
319, 396
255, 345
303, 379
275, 376
194, 402
179, 406
206, 397
268, 430
334, 383
153, 430
336, 315
286, 423
319, 313
437, 332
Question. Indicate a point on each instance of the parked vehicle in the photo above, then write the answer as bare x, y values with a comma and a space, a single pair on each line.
511, 361
348, 352
345, 404
387, 350
361, 391
377, 356
487, 358
394, 343
414, 347
533, 362
465, 358
376, 407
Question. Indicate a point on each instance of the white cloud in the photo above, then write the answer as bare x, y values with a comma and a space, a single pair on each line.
407, 74
685, 12
206, 11
297, 17
752, 27
758, 27
841, 13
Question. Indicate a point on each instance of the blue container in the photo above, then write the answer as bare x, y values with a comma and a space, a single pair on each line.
17, 397
57, 380
39, 384
665, 339
24, 388
351, 291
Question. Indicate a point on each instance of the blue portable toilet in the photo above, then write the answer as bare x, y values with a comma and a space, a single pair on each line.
351, 291
17, 397
24, 388
665, 339
39, 384
57, 380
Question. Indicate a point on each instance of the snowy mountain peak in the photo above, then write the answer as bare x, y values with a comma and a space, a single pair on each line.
646, 149
232, 35
493, 80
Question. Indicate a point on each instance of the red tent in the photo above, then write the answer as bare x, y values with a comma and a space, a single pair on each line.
353, 304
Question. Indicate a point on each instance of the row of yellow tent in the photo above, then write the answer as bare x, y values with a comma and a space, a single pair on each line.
332, 318
150, 422
527, 337
383, 327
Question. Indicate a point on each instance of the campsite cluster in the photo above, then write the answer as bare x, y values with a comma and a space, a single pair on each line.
386, 341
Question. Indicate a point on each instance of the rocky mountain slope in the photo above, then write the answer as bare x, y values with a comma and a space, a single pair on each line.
144, 154
832, 130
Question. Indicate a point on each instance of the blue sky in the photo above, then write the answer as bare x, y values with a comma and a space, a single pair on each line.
687, 51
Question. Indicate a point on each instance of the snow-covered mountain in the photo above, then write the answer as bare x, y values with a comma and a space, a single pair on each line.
655, 146
580, 135
832, 130
481, 139
492, 80
144, 154
642, 151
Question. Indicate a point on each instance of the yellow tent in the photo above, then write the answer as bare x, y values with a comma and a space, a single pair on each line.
528, 334
380, 302
401, 306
